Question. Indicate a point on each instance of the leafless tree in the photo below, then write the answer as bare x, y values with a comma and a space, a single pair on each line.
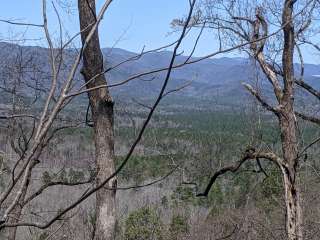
101, 105
239, 22
49, 120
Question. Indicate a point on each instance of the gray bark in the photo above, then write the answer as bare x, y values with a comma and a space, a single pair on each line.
102, 115
288, 127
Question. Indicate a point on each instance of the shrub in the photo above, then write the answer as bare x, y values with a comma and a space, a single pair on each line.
46, 178
143, 224
76, 176
178, 226
43, 236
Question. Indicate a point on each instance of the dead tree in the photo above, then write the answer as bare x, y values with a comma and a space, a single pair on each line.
240, 22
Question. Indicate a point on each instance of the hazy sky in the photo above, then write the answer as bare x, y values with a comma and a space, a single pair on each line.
130, 24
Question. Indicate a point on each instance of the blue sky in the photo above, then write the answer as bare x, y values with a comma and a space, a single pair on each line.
130, 24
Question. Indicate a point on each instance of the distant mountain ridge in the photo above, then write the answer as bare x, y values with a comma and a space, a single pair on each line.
210, 77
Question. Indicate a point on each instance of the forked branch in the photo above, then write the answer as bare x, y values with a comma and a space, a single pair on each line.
249, 154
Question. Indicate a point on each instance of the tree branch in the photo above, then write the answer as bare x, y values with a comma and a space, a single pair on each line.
250, 154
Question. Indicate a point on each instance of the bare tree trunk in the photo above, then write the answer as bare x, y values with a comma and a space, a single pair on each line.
12, 232
288, 126
289, 170
102, 114
293, 208
17, 210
